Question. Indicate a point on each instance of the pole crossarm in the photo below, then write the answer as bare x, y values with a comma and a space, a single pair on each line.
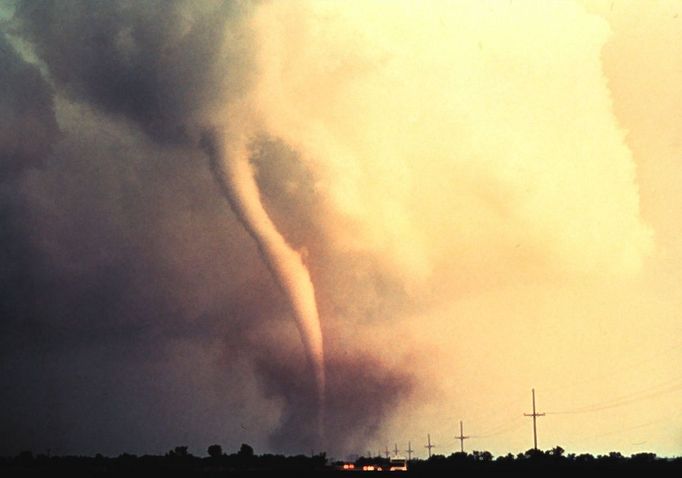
461, 436
534, 415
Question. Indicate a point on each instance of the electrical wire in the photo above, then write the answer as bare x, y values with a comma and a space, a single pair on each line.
645, 394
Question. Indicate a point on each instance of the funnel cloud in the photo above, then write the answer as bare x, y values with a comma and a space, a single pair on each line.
230, 163
254, 222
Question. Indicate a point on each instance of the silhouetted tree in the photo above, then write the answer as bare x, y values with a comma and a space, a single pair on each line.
245, 451
557, 451
615, 457
482, 456
245, 460
585, 459
179, 454
531, 454
215, 451
643, 458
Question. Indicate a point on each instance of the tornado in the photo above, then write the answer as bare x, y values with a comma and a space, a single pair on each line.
232, 169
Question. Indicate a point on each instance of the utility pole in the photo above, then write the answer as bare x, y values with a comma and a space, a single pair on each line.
388, 453
429, 445
535, 428
461, 436
409, 451
395, 450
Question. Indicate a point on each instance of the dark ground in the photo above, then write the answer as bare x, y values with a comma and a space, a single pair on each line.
178, 462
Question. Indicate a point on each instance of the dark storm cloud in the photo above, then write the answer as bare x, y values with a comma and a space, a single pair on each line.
131, 296
28, 127
28, 131
105, 314
361, 393
159, 63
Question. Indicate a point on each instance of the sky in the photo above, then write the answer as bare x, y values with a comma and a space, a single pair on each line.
340, 226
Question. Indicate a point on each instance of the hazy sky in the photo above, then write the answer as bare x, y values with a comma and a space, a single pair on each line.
484, 195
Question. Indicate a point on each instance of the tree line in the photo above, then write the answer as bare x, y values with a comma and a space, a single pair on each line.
179, 459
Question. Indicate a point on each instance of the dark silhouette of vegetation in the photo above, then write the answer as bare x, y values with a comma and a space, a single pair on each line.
215, 451
245, 461
245, 451
537, 460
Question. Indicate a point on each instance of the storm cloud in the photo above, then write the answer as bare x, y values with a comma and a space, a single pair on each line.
132, 257
137, 312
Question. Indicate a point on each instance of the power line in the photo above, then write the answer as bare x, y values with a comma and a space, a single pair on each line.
646, 394
499, 410
503, 428
429, 445
627, 429
461, 436
627, 366
409, 450
534, 415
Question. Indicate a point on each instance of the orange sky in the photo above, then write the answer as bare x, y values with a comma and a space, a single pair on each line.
514, 166
586, 341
